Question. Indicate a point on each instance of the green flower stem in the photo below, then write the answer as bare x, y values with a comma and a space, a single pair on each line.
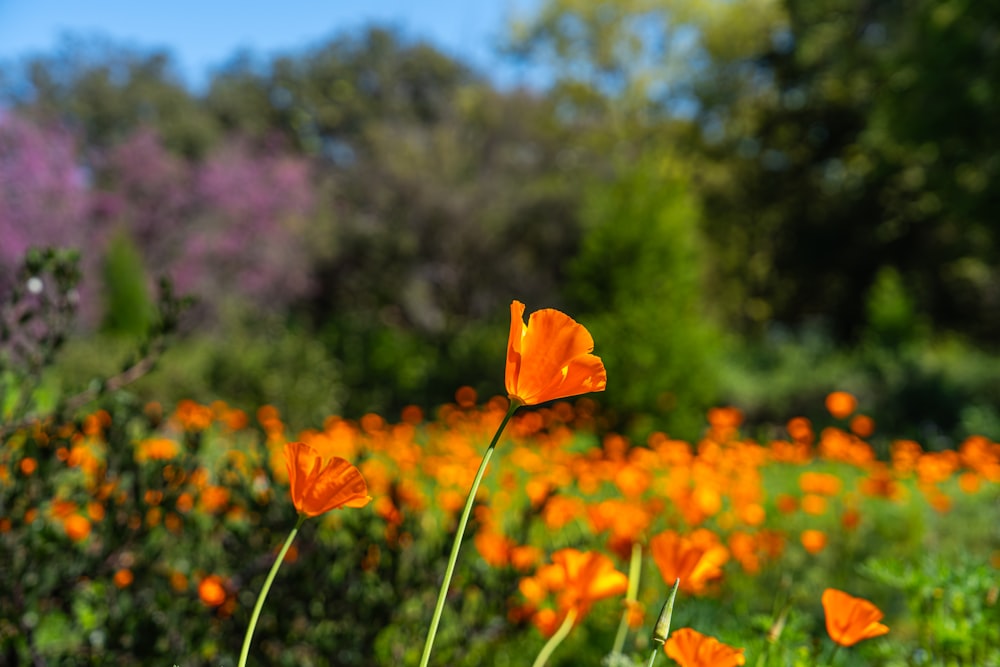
634, 571
652, 656
556, 639
457, 545
267, 587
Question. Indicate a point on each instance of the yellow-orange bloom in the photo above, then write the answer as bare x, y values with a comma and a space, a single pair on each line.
690, 648
318, 486
850, 619
550, 357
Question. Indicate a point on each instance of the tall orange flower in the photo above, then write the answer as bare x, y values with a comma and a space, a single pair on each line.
690, 648
850, 619
319, 486
550, 357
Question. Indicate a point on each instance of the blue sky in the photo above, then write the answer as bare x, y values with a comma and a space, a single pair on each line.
202, 34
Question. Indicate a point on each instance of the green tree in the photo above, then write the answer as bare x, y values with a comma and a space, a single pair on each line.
849, 155
830, 138
637, 283
105, 92
325, 98
128, 308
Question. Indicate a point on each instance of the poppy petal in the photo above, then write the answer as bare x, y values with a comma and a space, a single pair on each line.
550, 357
317, 488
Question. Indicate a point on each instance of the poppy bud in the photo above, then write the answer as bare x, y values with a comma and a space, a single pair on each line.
662, 628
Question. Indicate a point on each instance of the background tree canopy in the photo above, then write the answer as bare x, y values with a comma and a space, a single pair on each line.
702, 179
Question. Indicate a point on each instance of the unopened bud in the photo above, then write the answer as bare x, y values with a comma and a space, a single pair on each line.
662, 628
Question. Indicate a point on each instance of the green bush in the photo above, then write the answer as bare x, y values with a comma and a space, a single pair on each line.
128, 309
937, 391
636, 285
246, 366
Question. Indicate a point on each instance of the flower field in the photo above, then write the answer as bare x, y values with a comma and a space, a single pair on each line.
142, 534
255, 403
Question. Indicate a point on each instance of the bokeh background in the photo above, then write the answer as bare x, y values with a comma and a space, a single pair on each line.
762, 201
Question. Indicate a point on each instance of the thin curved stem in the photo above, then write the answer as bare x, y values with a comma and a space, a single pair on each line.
833, 654
457, 544
632, 594
556, 639
652, 656
267, 587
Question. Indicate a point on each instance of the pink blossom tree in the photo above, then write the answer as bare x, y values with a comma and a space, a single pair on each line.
44, 196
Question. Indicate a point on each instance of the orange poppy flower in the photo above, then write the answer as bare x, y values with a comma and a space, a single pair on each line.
123, 578
318, 486
696, 562
840, 404
850, 619
212, 590
813, 540
550, 357
77, 527
820, 483
862, 426
578, 578
690, 648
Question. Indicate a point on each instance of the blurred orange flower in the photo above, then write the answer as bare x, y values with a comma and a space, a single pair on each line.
800, 429
212, 590
786, 503
821, 483
841, 404
813, 540
123, 578
77, 527
690, 648
862, 426
28, 466
318, 486
813, 504
626, 520
694, 561
578, 578
880, 483
156, 449
178, 582
743, 547
850, 518
850, 619
213, 499
550, 357
494, 547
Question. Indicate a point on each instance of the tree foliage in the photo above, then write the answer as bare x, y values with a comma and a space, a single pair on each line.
392, 200
818, 126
